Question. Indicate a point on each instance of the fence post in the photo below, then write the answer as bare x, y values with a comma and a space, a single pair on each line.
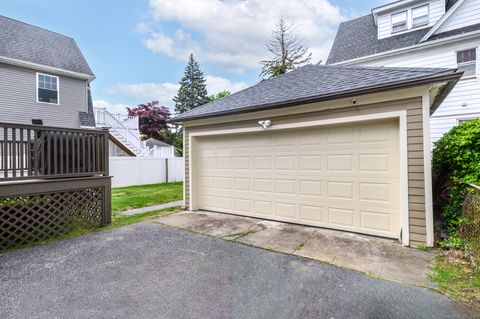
166, 169
107, 203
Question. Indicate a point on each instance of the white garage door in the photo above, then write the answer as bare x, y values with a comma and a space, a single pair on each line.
344, 176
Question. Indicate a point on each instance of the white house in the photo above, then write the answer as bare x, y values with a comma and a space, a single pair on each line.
125, 136
420, 33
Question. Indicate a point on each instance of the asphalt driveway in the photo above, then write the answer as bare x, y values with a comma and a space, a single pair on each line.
148, 270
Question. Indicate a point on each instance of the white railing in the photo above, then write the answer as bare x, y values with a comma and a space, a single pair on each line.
126, 130
119, 129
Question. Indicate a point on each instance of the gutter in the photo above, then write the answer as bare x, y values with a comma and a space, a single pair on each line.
411, 48
45, 68
449, 76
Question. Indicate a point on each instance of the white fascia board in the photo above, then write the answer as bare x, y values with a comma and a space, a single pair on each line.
441, 21
463, 36
45, 68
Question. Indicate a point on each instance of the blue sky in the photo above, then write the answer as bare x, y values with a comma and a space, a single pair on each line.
137, 48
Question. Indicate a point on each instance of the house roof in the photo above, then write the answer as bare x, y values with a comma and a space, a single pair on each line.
154, 142
313, 83
358, 37
28, 43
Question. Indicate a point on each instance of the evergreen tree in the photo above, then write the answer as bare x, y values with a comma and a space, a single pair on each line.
193, 90
287, 50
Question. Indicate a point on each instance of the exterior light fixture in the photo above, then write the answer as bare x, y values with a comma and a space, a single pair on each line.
265, 123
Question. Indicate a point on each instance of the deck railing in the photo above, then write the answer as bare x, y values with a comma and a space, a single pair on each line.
34, 151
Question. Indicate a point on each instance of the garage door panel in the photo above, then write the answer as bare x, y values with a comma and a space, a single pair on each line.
344, 177
344, 217
286, 210
262, 162
340, 163
312, 213
283, 162
310, 162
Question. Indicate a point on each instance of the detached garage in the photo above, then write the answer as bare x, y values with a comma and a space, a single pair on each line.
345, 148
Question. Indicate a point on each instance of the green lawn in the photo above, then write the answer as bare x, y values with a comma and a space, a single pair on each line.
125, 198
457, 274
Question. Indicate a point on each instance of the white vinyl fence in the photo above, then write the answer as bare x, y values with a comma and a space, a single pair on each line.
129, 171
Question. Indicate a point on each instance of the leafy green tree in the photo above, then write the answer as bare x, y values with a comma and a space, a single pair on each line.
287, 50
219, 95
193, 90
174, 136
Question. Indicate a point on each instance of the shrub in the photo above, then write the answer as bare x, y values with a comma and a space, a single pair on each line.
456, 162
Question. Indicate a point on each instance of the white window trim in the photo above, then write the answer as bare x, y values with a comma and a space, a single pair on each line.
409, 21
476, 62
465, 119
428, 16
406, 22
58, 88
404, 237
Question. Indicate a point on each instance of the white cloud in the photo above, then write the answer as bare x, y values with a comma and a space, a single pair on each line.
217, 84
112, 108
233, 33
162, 92
145, 92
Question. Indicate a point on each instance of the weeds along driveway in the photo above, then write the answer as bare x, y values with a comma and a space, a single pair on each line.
147, 270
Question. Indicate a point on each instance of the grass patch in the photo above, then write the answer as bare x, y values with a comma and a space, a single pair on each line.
125, 198
424, 247
299, 246
457, 275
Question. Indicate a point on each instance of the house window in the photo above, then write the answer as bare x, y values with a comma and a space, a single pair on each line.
47, 88
460, 121
399, 21
467, 62
420, 16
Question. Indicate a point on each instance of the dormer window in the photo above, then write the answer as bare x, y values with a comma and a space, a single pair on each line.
399, 21
420, 16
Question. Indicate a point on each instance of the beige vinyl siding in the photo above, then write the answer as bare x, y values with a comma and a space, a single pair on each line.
416, 196
18, 99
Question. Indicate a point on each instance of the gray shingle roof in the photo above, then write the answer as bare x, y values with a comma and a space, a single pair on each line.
28, 43
315, 82
358, 37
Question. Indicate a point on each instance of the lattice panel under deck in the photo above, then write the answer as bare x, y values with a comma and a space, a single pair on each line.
30, 218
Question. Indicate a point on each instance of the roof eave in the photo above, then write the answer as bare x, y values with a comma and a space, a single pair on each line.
446, 89
447, 76
418, 46
46, 68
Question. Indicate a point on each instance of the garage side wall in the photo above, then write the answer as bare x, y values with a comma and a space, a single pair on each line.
413, 106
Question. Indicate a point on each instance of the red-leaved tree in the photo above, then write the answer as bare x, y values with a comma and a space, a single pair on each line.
152, 119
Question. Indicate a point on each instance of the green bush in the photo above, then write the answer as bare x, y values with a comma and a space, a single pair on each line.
456, 162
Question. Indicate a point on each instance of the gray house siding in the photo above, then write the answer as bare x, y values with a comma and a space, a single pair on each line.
18, 99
